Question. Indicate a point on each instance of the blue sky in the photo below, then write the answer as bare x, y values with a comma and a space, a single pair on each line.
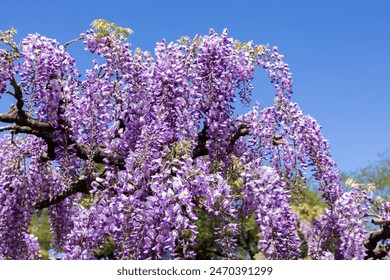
338, 51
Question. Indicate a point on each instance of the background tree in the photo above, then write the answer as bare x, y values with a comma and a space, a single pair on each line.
376, 173
140, 149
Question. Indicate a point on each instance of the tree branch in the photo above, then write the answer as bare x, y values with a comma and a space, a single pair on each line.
378, 222
20, 118
26, 124
8, 127
380, 252
83, 185
18, 94
371, 242
201, 149
71, 42
243, 130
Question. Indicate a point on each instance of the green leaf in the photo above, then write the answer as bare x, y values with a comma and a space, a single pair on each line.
105, 28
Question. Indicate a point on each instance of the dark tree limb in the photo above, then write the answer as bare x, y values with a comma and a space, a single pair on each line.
201, 149
380, 252
20, 118
18, 94
242, 130
374, 252
19, 129
26, 124
83, 185
378, 222
8, 127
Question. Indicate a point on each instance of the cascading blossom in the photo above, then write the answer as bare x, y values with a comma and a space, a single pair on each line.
5, 70
47, 75
18, 190
264, 193
137, 150
343, 224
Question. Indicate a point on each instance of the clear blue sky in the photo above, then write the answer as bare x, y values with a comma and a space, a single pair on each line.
338, 51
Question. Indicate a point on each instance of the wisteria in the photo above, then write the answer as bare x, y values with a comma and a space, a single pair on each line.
16, 209
137, 149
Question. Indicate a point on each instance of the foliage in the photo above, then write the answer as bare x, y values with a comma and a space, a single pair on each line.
40, 227
104, 28
135, 156
376, 173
